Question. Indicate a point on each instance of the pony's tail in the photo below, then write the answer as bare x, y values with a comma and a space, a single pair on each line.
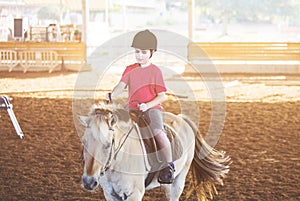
209, 167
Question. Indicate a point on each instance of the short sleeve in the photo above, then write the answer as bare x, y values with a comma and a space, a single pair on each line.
126, 75
159, 82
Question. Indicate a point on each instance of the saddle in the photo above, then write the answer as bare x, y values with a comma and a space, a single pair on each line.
149, 145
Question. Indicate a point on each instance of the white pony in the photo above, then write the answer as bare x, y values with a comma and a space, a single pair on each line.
114, 157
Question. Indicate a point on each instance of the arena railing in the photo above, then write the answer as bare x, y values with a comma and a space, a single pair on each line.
43, 55
242, 56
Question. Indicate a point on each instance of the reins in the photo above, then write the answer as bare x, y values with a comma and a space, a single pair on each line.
121, 144
115, 151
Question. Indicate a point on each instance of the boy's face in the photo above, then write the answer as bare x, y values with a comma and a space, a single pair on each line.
142, 56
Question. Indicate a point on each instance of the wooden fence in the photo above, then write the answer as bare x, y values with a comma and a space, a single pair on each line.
42, 55
226, 56
247, 56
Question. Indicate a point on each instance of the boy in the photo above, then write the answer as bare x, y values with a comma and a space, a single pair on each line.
146, 92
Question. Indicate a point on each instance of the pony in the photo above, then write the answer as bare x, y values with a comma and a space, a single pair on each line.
114, 157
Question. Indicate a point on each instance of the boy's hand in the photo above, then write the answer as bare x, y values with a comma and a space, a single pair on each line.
143, 107
108, 98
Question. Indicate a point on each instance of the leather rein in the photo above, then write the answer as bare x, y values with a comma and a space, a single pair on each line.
114, 152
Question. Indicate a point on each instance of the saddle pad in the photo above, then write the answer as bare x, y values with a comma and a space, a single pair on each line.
151, 148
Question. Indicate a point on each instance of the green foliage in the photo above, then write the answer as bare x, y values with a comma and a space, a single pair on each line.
77, 32
252, 10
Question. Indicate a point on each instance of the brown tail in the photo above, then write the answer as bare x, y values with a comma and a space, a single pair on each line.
209, 166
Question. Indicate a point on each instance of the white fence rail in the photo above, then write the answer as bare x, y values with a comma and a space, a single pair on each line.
8, 58
38, 59
44, 59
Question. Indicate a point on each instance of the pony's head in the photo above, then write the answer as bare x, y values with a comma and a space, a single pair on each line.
97, 143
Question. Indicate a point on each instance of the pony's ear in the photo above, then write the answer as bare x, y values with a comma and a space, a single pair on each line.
113, 120
83, 120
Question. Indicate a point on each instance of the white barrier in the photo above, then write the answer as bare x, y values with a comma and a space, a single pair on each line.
31, 59
8, 58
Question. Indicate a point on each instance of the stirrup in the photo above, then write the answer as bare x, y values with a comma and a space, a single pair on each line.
166, 175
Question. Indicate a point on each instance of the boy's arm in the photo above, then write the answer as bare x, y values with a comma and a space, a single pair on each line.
118, 89
157, 100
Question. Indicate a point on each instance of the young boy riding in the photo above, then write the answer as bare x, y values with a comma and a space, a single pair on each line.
146, 92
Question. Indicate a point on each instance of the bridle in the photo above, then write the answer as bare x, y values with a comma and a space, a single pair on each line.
114, 151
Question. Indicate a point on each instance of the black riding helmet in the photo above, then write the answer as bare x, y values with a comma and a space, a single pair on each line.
145, 40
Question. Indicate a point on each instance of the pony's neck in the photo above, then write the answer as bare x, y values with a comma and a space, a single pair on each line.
130, 156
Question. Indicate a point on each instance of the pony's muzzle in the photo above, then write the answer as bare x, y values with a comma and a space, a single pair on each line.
90, 183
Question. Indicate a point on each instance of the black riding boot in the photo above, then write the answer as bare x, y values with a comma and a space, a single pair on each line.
166, 175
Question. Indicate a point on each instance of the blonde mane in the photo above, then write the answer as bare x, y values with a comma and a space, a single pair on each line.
123, 118
103, 106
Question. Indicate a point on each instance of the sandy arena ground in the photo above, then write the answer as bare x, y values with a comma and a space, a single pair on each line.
261, 134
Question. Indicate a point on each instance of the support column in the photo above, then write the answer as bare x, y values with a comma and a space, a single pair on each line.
60, 12
124, 13
85, 22
191, 10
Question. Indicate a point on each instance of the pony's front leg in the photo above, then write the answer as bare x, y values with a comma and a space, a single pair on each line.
119, 195
136, 196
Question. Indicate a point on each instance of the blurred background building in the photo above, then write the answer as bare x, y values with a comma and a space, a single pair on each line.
213, 20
